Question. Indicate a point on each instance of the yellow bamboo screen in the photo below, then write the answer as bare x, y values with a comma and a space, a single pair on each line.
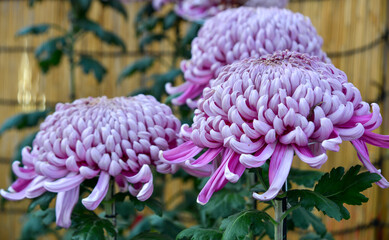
345, 25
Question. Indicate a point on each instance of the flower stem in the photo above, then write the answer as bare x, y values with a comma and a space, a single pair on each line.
109, 206
278, 214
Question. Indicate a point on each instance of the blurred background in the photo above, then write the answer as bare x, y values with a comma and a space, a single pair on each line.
355, 34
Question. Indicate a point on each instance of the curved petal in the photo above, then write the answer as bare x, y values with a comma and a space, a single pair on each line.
234, 169
259, 158
282, 161
181, 153
307, 156
241, 147
205, 158
64, 184
146, 190
376, 139
144, 175
98, 193
363, 155
349, 134
24, 173
64, 206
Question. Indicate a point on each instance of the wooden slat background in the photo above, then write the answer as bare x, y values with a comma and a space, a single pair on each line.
344, 25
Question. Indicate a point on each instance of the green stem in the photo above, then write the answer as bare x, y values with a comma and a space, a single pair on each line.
109, 206
278, 218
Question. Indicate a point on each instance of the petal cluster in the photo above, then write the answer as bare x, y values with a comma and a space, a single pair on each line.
236, 34
273, 107
117, 138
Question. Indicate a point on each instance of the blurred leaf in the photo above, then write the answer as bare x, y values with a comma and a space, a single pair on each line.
23, 120
50, 53
37, 224
32, 2
224, 203
306, 178
239, 225
145, 91
303, 218
42, 201
34, 29
146, 10
196, 233
160, 81
334, 189
150, 38
169, 20
140, 65
89, 64
152, 236
147, 24
191, 33
116, 5
80, 7
105, 36
314, 236
155, 223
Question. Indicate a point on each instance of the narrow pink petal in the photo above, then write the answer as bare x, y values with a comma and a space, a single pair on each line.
20, 184
281, 173
307, 156
376, 139
64, 184
215, 183
64, 206
181, 153
146, 190
349, 134
25, 173
205, 158
203, 171
241, 147
88, 173
234, 169
144, 175
180, 88
13, 196
363, 155
259, 158
98, 193
36, 188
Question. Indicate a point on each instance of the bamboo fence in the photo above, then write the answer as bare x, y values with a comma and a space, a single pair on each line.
353, 31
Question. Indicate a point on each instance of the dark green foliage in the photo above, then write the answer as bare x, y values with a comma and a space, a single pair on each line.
303, 219
116, 5
37, 224
89, 64
224, 203
313, 236
149, 39
196, 233
153, 203
238, 226
105, 36
160, 81
152, 236
49, 53
335, 189
306, 178
23, 120
34, 29
169, 20
89, 226
140, 65
80, 7
42, 201
153, 223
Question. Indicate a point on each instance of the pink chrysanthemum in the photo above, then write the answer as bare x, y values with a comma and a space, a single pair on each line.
273, 107
240, 33
118, 138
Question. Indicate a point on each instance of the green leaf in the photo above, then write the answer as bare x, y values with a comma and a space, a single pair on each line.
116, 5
313, 236
160, 81
32, 2
306, 178
152, 236
145, 11
191, 34
196, 233
224, 203
37, 224
105, 36
335, 189
80, 7
140, 65
169, 20
34, 29
303, 219
147, 25
50, 53
43, 201
149, 39
239, 225
23, 120
89, 64
162, 225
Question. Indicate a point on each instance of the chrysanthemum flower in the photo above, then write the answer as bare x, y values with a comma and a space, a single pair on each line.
274, 107
236, 34
117, 138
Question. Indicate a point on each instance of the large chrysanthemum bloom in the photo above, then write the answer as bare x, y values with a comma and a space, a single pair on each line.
274, 107
236, 34
117, 138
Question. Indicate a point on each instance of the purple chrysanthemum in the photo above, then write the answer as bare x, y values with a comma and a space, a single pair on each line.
236, 34
272, 107
118, 138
